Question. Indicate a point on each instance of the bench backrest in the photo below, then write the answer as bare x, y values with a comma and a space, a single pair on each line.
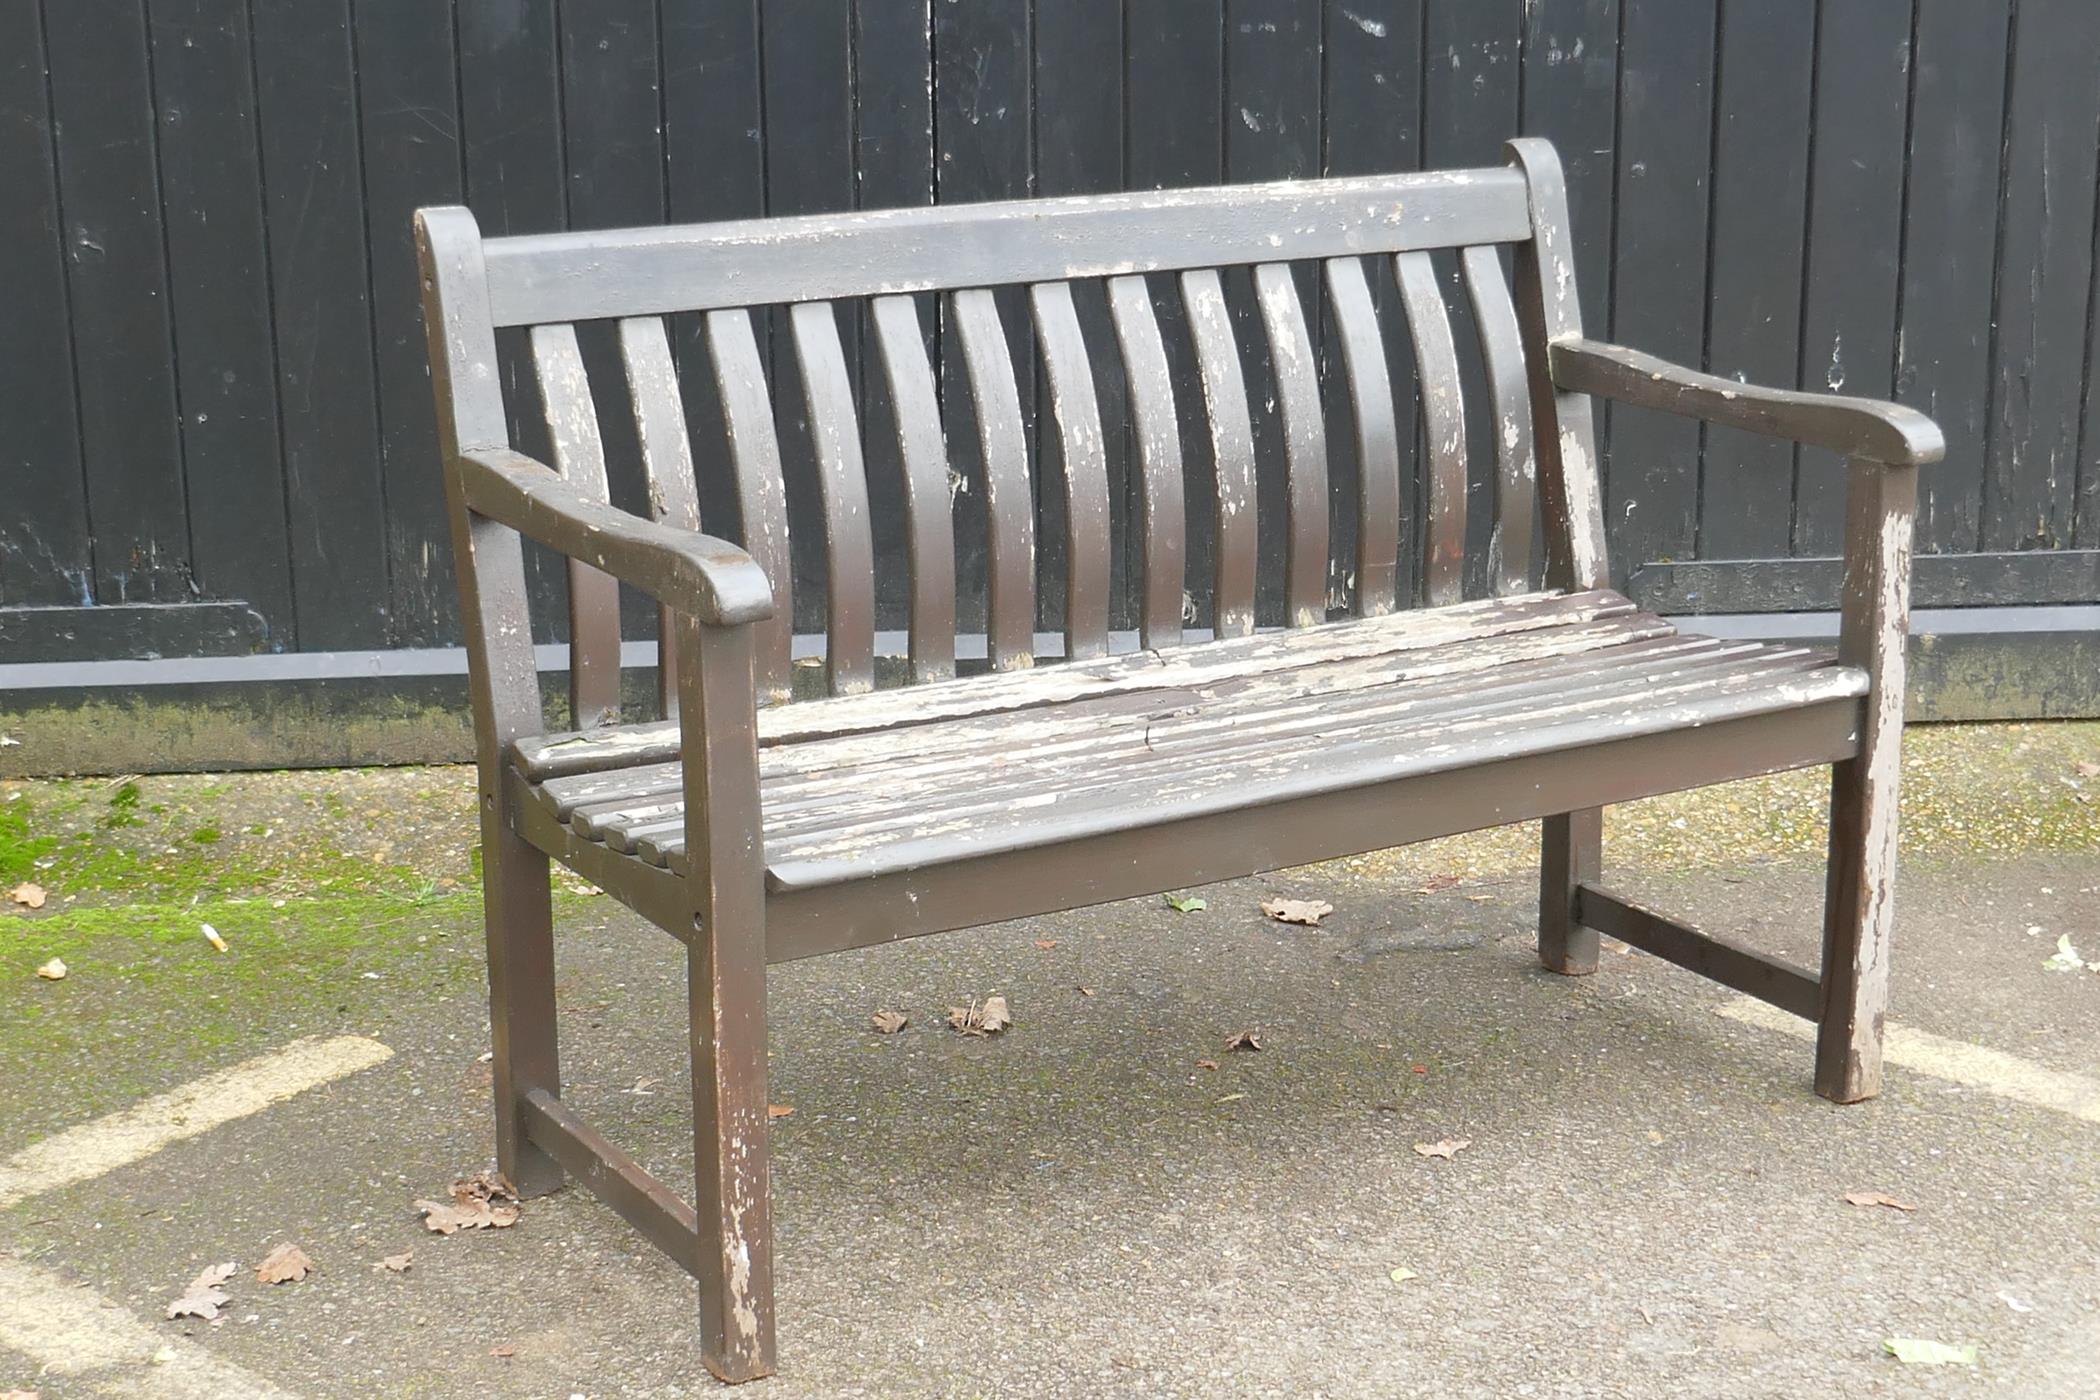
1073, 263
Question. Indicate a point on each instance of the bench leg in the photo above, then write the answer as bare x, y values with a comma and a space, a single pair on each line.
1571, 854
520, 928
1857, 913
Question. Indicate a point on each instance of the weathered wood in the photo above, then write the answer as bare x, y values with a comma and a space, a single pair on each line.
1076, 408
2036, 577
667, 463
1444, 427
1731, 964
1297, 376
754, 449
594, 596
1571, 854
842, 480
1516, 453
1232, 452
1009, 503
929, 523
613, 1177
1377, 438
1160, 524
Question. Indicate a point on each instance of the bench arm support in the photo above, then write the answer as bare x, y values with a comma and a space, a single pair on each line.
707, 579
1879, 432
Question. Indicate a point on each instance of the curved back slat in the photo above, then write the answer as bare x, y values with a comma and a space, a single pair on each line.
667, 462
579, 455
842, 483
1008, 498
1305, 442
1377, 437
754, 449
929, 517
1444, 427
1232, 451
1516, 447
1161, 522
1077, 410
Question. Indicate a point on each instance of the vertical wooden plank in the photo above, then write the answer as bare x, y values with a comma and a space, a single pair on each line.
312, 174
1002, 442
922, 462
1231, 451
1376, 584
219, 303
1162, 525
1297, 381
1571, 850
1666, 58
408, 108
667, 462
1855, 233
2045, 268
761, 494
109, 189
1443, 427
1083, 468
579, 455
45, 554
842, 482
1762, 102
1943, 341
1571, 97
1509, 393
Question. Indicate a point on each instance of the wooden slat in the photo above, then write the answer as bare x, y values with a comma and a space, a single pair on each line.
1076, 408
754, 449
1377, 438
1509, 393
842, 480
1444, 427
594, 597
1732, 965
667, 461
614, 1177
1232, 450
1161, 527
929, 518
1009, 502
698, 267
1305, 442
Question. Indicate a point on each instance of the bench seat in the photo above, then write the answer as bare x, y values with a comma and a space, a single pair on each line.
868, 785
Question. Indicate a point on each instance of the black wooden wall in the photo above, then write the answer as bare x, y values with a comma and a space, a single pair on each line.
211, 371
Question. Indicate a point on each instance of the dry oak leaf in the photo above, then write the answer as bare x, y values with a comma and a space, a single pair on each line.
1446, 1148
53, 971
889, 1022
397, 1263
1876, 1198
1206, 1064
285, 1264
1046, 944
204, 1297
483, 1201
30, 896
780, 1110
1297, 911
988, 1018
1245, 1041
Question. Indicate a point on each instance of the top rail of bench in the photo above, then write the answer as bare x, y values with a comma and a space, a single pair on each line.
539, 278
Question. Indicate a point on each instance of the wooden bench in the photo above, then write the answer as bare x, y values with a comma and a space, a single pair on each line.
757, 832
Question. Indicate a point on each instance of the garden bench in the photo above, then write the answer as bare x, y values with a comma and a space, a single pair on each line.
757, 831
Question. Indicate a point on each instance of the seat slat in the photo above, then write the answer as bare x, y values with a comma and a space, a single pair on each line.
1231, 450
1444, 426
1509, 390
1161, 523
754, 447
1377, 438
579, 454
667, 462
1305, 442
1008, 499
842, 485
928, 511
1076, 409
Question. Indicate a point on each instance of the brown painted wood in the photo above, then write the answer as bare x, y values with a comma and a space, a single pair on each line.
1009, 501
1297, 375
1162, 529
594, 596
667, 462
754, 451
1076, 408
614, 1177
842, 483
1232, 451
1509, 392
929, 518
1571, 854
1377, 581
1731, 964
1443, 427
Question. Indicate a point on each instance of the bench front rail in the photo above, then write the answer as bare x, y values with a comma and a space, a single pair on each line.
1395, 688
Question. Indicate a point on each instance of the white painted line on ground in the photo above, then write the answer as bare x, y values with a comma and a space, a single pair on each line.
87, 1151
1978, 1067
65, 1330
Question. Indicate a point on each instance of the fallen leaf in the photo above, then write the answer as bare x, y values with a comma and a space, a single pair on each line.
1613, 945
1206, 1064
483, 1201
987, 1018
53, 971
285, 1264
28, 895
2087, 770
780, 1110
1086, 991
212, 936
204, 1297
1876, 1198
1046, 944
1297, 911
1447, 1148
1245, 1041
397, 1263
889, 1022
2066, 958
1230, 1098
1479, 898
18, 1394
1920, 1351
1187, 903
505, 1352
1418, 1069
1402, 1274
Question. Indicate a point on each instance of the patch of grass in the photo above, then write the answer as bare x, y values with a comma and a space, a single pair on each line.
20, 849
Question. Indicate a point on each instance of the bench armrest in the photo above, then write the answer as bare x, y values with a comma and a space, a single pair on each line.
708, 579
1880, 432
